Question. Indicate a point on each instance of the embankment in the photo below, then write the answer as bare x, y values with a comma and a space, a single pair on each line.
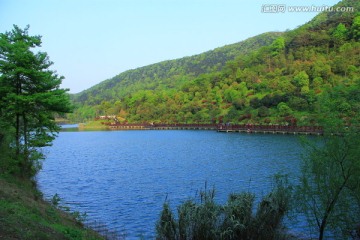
25, 215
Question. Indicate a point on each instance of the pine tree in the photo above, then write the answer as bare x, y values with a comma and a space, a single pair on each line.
30, 96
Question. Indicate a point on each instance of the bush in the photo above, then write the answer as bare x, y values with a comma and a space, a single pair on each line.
234, 220
263, 111
238, 216
284, 109
298, 103
166, 227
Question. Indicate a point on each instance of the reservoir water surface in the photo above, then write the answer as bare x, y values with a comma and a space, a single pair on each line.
122, 178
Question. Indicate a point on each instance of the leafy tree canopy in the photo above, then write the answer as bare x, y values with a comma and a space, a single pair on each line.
30, 97
296, 67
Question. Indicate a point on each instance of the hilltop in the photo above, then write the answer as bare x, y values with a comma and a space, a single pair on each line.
151, 76
273, 78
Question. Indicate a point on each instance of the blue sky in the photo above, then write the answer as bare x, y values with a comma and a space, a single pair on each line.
92, 40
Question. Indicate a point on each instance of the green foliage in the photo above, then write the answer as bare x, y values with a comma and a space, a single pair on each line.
238, 216
284, 109
298, 103
30, 96
340, 106
234, 220
340, 34
24, 216
79, 216
166, 228
329, 191
55, 200
355, 28
263, 111
7, 165
302, 81
297, 68
277, 46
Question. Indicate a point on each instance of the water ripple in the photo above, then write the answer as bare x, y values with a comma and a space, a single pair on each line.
122, 178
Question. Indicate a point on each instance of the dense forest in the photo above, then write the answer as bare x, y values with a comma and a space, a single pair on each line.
309, 75
30, 98
273, 78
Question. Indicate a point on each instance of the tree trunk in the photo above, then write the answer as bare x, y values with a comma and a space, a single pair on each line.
27, 165
17, 135
330, 208
322, 228
17, 130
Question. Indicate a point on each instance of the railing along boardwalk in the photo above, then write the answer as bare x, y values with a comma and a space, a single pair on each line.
241, 128
161, 126
272, 129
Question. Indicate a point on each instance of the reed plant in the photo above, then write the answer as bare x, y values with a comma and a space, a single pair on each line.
236, 219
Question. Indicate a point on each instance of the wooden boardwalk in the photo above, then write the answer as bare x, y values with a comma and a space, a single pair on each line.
272, 129
163, 126
228, 128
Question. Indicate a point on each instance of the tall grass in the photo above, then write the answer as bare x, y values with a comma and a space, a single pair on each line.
236, 219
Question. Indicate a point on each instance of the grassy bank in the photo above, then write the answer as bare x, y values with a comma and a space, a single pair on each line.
93, 125
25, 215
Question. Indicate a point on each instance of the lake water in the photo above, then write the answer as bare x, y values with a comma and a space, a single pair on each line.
121, 178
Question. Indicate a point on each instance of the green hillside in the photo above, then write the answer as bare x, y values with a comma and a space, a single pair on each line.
25, 215
168, 72
275, 78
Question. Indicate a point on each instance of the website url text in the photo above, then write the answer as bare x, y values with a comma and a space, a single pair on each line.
282, 8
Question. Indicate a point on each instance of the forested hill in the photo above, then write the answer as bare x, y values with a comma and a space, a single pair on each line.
279, 78
172, 72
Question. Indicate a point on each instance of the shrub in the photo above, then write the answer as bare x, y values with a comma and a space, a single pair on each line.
238, 216
263, 111
234, 220
166, 226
